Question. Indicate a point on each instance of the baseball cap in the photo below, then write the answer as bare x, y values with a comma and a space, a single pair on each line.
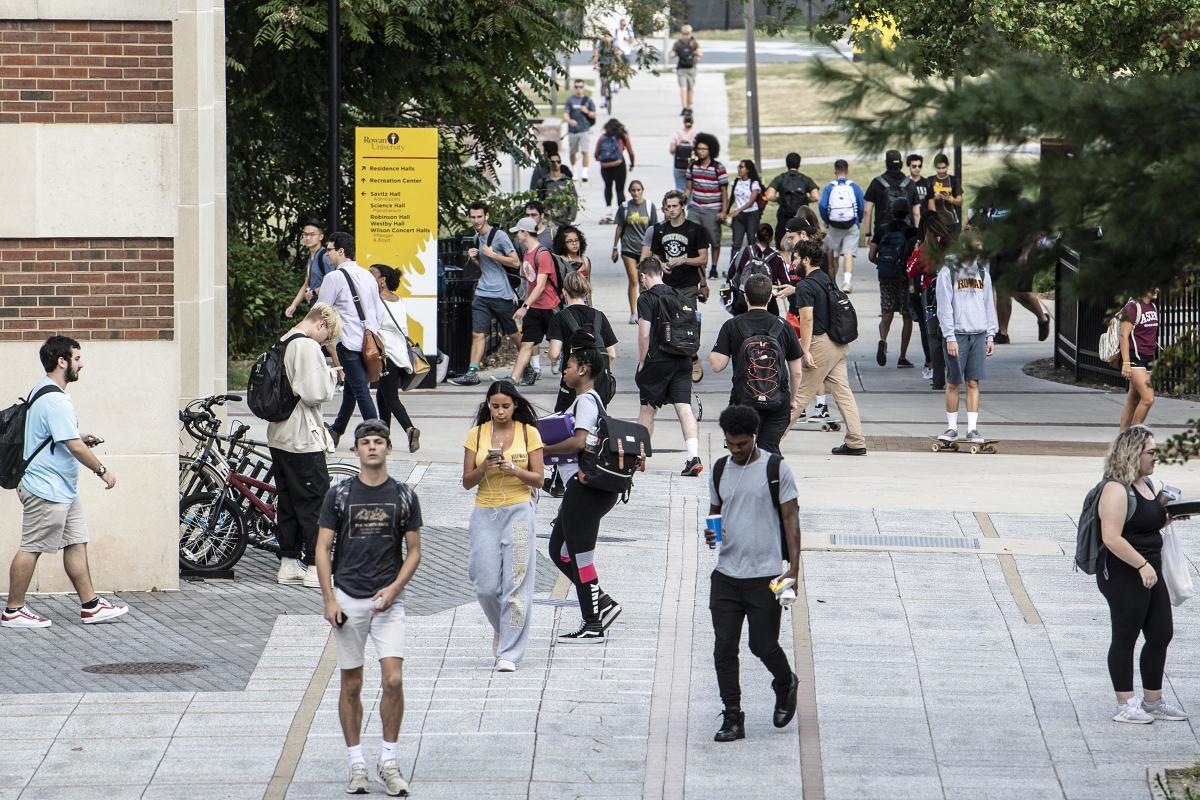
800, 225
372, 427
524, 224
893, 159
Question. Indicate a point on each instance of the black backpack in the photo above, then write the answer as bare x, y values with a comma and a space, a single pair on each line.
616, 451
687, 53
1089, 544
683, 156
677, 324
889, 254
268, 391
792, 196
760, 369
773, 462
604, 383
12, 440
892, 193
843, 319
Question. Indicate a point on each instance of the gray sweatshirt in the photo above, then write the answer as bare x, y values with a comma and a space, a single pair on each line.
964, 298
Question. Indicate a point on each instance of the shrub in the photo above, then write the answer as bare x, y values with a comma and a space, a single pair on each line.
261, 284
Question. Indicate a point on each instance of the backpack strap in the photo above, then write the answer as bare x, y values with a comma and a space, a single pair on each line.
49, 440
554, 261
773, 462
718, 470
354, 293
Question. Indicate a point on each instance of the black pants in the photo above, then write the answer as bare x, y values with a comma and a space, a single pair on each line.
573, 537
917, 309
301, 481
388, 395
614, 175
937, 354
772, 426
732, 600
1135, 609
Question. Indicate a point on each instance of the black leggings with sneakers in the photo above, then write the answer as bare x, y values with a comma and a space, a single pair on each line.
1135, 609
614, 177
573, 537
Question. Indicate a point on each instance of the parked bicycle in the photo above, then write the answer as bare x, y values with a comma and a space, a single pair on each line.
227, 500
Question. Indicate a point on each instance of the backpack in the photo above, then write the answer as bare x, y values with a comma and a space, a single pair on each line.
12, 439
1109, 348
773, 462
612, 455
1089, 543
683, 156
759, 204
760, 368
792, 196
842, 205
843, 319
889, 253
562, 265
605, 384
678, 326
268, 391
754, 265
892, 193
686, 53
610, 148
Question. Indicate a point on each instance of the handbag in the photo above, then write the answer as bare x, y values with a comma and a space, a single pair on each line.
1175, 571
416, 356
374, 354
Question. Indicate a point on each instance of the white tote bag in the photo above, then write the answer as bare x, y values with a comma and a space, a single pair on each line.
1175, 569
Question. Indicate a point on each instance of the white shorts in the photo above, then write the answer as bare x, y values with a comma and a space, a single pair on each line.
386, 629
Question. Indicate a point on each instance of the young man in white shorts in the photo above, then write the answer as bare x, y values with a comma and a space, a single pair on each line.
369, 518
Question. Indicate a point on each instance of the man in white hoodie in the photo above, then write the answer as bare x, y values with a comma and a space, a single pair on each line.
967, 317
298, 445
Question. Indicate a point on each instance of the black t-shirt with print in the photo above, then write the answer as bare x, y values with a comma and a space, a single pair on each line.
672, 241
811, 292
369, 523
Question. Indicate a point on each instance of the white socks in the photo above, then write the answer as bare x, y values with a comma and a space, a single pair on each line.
537, 363
972, 421
952, 420
356, 755
693, 447
388, 752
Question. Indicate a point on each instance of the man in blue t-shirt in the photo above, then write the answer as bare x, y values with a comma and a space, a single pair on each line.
580, 115
317, 265
52, 517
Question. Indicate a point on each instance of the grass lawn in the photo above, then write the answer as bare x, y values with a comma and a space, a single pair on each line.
797, 34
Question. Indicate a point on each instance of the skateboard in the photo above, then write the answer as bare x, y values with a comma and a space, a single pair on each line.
986, 446
825, 423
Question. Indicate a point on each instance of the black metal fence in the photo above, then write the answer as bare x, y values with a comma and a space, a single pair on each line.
1080, 324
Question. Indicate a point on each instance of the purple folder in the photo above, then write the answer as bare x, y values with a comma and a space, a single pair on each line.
558, 428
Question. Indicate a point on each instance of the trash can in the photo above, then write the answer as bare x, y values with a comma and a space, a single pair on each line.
454, 319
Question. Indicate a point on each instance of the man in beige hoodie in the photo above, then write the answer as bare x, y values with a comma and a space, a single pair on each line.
299, 443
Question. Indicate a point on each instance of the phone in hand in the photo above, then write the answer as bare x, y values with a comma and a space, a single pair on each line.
92, 441
495, 452
341, 618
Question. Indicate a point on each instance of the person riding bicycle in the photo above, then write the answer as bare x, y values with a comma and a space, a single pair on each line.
605, 58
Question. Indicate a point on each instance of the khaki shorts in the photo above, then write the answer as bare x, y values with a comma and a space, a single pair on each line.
686, 77
385, 629
841, 241
578, 142
47, 527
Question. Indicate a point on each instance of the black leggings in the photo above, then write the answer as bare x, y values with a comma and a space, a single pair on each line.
917, 309
573, 541
1135, 609
730, 601
614, 175
937, 354
388, 395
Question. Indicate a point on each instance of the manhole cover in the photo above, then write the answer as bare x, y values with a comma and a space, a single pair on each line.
142, 668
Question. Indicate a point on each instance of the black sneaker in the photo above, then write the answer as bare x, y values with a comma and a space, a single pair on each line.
470, 378
556, 486
712, 273
692, 468
1043, 329
587, 632
1001, 338
785, 702
609, 611
904, 363
821, 411
337, 437
733, 726
528, 377
881, 353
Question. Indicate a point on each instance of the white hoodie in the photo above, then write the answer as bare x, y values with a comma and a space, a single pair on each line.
313, 382
964, 299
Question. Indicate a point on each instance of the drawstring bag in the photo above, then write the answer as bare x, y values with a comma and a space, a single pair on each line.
1175, 571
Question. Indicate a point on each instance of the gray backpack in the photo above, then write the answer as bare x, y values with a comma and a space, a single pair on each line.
1089, 543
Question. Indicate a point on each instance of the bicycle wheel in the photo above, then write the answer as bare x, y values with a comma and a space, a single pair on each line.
341, 472
212, 533
197, 476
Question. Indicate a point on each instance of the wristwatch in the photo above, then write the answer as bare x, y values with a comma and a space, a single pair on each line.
101, 471
525, 306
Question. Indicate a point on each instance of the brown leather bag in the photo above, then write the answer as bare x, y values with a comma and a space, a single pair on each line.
374, 355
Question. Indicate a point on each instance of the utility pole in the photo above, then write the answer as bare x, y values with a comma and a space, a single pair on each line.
752, 137
335, 121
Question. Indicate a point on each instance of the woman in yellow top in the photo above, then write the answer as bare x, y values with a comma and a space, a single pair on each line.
504, 459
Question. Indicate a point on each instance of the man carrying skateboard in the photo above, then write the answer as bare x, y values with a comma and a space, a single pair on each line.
967, 319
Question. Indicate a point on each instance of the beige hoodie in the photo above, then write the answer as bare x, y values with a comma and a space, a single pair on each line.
313, 381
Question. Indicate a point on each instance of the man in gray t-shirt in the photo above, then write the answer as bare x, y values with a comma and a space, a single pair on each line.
751, 551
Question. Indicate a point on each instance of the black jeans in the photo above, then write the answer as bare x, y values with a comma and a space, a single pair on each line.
573, 537
917, 309
357, 389
301, 481
614, 176
732, 600
1135, 609
388, 394
937, 354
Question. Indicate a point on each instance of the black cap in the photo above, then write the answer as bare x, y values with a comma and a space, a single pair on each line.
800, 225
372, 427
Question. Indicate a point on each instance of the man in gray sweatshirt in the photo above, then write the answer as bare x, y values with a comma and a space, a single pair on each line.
967, 318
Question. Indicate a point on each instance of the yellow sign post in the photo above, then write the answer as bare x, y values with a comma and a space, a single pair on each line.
396, 217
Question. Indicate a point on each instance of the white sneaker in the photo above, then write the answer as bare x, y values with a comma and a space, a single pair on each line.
311, 579
389, 773
103, 612
23, 617
291, 572
359, 783
951, 435
927, 374
505, 666
1133, 712
847, 287
1161, 709
820, 412
975, 437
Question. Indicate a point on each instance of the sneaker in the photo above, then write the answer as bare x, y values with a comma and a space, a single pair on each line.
609, 611
1133, 712
847, 286
881, 353
927, 374
389, 774
585, 178
904, 363
311, 579
291, 572
103, 612
785, 702
692, 468
414, 439
505, 666
712, 273
587, 632
802, 416
1043, 329
633, 319
470, 378
697, 370
847, 450
974, 437
557, 489
1161, 709
733, 726
334, 435
358, 783
1001, 338
23, 617
821, 411
528, 377
950, 435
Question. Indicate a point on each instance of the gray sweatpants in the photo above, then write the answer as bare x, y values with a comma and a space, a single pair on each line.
501, 567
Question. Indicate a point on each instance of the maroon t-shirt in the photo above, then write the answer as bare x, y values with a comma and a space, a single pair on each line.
1143, 340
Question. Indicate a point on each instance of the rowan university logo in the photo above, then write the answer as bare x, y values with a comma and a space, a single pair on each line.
393, 137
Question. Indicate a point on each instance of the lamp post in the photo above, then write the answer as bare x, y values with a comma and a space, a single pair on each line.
752, 137
335, 120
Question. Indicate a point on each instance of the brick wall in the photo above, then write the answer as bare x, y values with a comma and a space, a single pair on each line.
87, 288
65, 71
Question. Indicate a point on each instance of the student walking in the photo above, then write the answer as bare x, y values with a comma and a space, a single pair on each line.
681, 246
946, 189
708, 194
792, 190
757, 258
1129, 575
967, 318
841, 208
1139, 348
633, 219
890, 253
766, 357
298, 445
393, 329
755, 493
503, 457
575, 315
570, 243
579, 112
540, 272
686, 52
316, 268
576, 529
52, 514
374, 522
681, 145
743, 210
884, 190
610, 153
